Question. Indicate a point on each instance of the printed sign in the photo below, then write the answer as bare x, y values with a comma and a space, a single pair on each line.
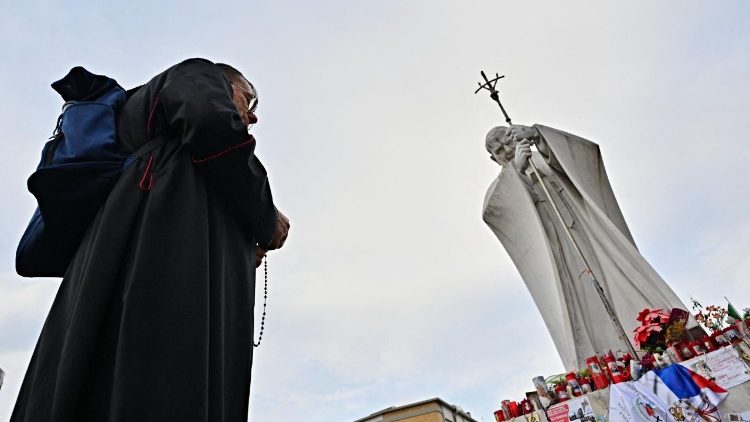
536, 416
577, 409
737, 417
723, 366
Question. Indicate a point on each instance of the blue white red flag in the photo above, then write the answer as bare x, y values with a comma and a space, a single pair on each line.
674, 393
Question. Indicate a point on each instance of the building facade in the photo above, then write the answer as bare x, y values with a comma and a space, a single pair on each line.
432, 410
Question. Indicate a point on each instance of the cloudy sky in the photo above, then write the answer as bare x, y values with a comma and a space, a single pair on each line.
391, 289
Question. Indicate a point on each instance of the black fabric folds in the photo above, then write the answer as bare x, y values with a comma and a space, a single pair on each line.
153, 320
81, 85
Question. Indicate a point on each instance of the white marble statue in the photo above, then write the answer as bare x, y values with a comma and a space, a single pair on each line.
517, 210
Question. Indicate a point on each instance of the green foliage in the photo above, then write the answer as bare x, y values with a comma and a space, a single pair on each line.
555, 380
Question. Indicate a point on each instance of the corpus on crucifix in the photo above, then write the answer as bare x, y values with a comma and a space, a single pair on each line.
554, 211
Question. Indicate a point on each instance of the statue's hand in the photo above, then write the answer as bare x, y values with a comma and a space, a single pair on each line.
519, 132
523, 152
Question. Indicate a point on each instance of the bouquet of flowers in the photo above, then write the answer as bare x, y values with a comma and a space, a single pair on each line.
712, 317
651, 334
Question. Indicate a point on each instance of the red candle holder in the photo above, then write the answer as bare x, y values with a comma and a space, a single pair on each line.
499, 416
720, 339
562, 393
515, 409
697, 348
572, 381
597, 375
526, 407
709, 344
685, 351
731, 333
614, 369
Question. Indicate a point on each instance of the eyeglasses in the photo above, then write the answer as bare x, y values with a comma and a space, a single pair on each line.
253, 104
253, 97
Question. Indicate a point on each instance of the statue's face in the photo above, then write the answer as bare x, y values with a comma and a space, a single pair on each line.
499, 145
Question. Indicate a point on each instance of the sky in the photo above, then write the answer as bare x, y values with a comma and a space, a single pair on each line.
391, 289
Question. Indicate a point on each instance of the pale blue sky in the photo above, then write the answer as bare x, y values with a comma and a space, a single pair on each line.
391, 289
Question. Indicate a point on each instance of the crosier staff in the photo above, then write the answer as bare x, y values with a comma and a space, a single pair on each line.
490, 85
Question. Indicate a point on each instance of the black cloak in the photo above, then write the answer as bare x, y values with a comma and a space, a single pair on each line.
153, 320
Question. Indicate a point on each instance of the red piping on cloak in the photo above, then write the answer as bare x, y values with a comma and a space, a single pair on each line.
220, 153
146, 181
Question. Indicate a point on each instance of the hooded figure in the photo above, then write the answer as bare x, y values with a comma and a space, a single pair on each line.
518, 212
153, 320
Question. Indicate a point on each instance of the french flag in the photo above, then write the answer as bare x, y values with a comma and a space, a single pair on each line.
674, 393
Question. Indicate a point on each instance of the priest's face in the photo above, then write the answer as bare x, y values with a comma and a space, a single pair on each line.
245, 98
501, 147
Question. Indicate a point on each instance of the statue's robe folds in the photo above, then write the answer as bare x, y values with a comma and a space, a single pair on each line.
518, 212
153, 321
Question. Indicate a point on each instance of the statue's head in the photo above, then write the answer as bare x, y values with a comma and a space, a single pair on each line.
499, 145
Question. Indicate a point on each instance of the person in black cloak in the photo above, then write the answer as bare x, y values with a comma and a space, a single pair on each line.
153, 320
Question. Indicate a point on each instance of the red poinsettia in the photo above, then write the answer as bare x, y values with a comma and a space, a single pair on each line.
650, 316
643, 332
651, 332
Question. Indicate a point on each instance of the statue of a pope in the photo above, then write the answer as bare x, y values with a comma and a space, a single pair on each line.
518, 212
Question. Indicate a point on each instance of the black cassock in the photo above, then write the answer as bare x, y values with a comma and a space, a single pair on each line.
153, 320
